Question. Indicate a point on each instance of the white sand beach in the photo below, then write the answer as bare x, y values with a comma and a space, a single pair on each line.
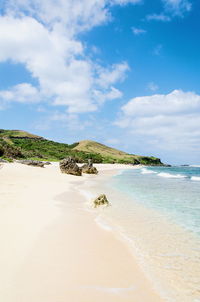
51, 248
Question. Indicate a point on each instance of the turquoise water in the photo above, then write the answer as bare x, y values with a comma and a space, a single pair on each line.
156, 212
173, 191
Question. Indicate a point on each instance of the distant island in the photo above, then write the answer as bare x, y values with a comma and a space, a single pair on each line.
17, 144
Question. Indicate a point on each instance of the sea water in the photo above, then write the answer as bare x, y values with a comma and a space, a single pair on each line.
173, 191
156, 211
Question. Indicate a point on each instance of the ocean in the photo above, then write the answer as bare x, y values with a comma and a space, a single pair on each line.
172, 191
156, 212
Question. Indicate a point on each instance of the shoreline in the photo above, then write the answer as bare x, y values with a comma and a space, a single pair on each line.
170, 269
53, 249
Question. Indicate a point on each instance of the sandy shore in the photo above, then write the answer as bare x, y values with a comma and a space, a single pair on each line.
51, 248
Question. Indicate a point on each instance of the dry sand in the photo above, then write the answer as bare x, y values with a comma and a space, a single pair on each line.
51, 248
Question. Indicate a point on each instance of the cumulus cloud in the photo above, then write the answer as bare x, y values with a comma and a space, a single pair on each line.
108, 76
113, 94
76, 15
22, 93
42, 35
170, 121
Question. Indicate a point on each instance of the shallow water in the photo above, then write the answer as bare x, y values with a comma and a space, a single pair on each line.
173, 191
156, 212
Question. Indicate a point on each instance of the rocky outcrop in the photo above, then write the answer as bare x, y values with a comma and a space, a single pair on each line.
34, 163
3, 160
89, 168
101, 200
47, 163
69, 166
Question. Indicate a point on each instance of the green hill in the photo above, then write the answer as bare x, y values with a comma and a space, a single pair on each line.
114, 155
91, 146
21, 144
17, 134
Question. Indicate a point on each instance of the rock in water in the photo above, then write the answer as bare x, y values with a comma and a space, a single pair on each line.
69, 166
34, 163
101, 200
89, 168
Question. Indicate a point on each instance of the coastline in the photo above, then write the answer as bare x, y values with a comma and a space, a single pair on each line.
167, 253
52, 248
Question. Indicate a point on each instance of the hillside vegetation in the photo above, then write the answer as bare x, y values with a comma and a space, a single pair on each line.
114, 155
18, 133
89, 146
21, 144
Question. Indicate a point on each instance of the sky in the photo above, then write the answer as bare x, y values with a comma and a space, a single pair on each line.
125, 73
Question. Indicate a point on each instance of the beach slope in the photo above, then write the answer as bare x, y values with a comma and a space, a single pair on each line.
51, 248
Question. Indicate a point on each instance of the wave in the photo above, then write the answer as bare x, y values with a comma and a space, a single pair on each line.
168, 175
102, 224
194, 166
146, 171
196, 178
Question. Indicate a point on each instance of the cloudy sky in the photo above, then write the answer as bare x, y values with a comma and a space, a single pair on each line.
122, 72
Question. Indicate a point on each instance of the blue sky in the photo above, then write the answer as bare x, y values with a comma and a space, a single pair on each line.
122, 72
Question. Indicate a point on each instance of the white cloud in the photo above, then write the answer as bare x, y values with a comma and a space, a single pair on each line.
138, 31
70, 121
55, 57
177, 7
22, 93
158, 17
112, 94
175, 102
124, 2
172, 8
76, 15
170, 121
152, 86
108, 76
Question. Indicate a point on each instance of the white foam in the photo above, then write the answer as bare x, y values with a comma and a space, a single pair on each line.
195, 166
195, 178
168, 175
145, 171
87, 194
102, 224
